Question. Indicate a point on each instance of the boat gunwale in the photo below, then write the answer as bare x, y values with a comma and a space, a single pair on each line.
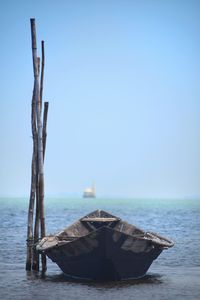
147, 236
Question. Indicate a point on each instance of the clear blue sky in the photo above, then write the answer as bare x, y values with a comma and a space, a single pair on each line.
123, 82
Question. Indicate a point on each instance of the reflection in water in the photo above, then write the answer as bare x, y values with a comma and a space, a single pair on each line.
151, 278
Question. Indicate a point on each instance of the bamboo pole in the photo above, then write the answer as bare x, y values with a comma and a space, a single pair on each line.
35, 259
44, 132
40, 140
43, 256
33, 186
35, 254
39, 146
42, 75
44, 135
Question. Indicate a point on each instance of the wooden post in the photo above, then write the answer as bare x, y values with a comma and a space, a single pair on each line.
33, 186
35, 254
42, 76
35, 259
37, 173
44, 133
39, 136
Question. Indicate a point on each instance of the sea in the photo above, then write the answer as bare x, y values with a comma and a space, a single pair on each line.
174, 275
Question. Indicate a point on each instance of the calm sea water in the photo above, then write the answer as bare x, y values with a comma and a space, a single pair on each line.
174, 275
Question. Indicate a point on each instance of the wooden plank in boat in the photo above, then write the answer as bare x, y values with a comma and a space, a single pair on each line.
99, 219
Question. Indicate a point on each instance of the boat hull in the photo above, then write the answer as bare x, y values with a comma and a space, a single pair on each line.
105, 254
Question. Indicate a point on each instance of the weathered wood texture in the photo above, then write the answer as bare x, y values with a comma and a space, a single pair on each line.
99, 219
101, 246
33, 186
44, 133
42, 76
35, 255
37, 172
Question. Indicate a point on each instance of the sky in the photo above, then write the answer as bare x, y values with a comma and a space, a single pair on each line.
122, 81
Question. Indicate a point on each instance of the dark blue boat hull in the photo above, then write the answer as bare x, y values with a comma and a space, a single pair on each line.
105, 254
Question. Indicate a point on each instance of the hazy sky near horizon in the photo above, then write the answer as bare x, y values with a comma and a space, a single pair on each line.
123, 83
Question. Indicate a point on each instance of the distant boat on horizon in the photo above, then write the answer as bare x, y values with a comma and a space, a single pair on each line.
90, 192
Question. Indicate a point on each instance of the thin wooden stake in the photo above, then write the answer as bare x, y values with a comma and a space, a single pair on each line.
36, 261
42, 76
44, 136
35, 254
40, 141
44, 132
33, 186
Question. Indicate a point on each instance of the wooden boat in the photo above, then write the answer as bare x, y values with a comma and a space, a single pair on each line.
101, 246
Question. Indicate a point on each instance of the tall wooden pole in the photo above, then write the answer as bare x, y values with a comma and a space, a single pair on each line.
39, 136
42, 215
35, 254
44, 132
44, 135
39, 146
42, 75
33, 186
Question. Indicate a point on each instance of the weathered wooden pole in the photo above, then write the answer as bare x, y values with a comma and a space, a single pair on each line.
42, 75
39, 135
36, 262
33, 186
44, 135
37, 173
36, 256
34, 179
44, 132
42, 216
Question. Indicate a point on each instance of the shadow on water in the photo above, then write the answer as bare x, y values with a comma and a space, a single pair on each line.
150, 278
